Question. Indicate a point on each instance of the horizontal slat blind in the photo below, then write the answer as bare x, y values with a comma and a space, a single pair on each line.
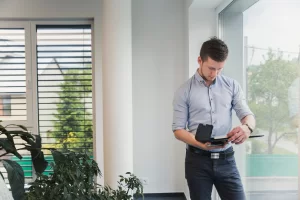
64, 63
13, 102
12, 75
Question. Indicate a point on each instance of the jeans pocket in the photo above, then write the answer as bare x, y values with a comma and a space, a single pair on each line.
230, 160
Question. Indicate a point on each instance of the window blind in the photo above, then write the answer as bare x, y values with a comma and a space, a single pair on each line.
12, 75
64, 71
13, 102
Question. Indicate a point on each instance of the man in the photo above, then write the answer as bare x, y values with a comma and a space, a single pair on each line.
208, 98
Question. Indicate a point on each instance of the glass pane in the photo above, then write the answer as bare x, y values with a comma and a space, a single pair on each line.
272, 56
264, 39
12, 75
13, 104
65, 87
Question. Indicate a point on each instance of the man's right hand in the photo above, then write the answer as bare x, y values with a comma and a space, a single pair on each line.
189, 138
207, 146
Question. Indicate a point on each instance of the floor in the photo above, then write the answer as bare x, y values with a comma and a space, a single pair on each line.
292, 195
163, 197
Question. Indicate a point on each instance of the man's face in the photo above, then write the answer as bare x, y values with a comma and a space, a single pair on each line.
210, 69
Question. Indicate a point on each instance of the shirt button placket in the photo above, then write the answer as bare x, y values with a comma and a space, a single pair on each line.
212, 106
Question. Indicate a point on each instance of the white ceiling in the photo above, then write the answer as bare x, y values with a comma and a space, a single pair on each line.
209, 4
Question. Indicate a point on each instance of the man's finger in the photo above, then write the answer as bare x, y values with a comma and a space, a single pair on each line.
207, 144
234, 137
219, 146
233, 132
239, 139
243, 140
215, 147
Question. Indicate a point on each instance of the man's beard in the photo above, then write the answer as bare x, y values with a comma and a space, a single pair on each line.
201, 74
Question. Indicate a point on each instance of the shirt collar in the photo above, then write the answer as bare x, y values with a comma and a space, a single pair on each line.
201, 80
198, 77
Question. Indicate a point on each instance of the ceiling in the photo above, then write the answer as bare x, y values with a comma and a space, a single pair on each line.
209, 4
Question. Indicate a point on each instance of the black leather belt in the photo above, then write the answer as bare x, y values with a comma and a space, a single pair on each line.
213, 155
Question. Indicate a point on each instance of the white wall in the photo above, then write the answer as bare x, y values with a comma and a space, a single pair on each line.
32, 9
202, 26
160, 65
67, 9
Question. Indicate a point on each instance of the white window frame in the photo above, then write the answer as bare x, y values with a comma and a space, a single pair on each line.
31, 65
31, 70
33, 25
28, 67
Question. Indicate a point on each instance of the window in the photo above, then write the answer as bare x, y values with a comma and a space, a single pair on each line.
13, 93
5, 106
46, 84
271, 59
13, 105
65, 86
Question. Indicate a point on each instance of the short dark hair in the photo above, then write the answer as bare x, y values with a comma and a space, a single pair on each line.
214, 48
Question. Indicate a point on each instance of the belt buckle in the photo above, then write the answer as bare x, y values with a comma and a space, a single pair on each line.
215, 155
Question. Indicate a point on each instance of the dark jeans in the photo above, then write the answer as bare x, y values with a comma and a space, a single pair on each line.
203, 172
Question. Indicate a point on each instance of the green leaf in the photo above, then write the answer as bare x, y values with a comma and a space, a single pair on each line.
37, 156
21, 126
16, 178
9, 146
2, 128
11, 142
21, 133
65, 193
58, 156
2, 175
38, 159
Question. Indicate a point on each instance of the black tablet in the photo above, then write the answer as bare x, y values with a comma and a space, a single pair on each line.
221, 141
254, 136
204, 132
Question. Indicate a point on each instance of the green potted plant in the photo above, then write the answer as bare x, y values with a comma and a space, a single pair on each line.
15, 172
74, 176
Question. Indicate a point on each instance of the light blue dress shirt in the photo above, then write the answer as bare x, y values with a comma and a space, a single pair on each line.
196, 103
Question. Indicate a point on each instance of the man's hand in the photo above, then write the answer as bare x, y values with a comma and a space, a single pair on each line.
206, 146
189, 138
296, 121
239, 134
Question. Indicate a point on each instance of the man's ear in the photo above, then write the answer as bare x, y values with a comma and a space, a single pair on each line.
199, 60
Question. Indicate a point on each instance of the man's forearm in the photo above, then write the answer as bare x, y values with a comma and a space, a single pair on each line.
187, 137
250, 120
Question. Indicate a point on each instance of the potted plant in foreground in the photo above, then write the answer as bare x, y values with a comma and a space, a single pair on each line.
15, 173
73, 176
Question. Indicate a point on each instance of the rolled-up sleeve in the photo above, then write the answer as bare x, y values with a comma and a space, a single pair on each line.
239, 103
180, 109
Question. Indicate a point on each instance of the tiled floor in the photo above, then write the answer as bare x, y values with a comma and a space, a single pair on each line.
163, 197
288, 195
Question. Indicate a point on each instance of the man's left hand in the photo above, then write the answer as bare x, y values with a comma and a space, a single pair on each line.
239, 134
